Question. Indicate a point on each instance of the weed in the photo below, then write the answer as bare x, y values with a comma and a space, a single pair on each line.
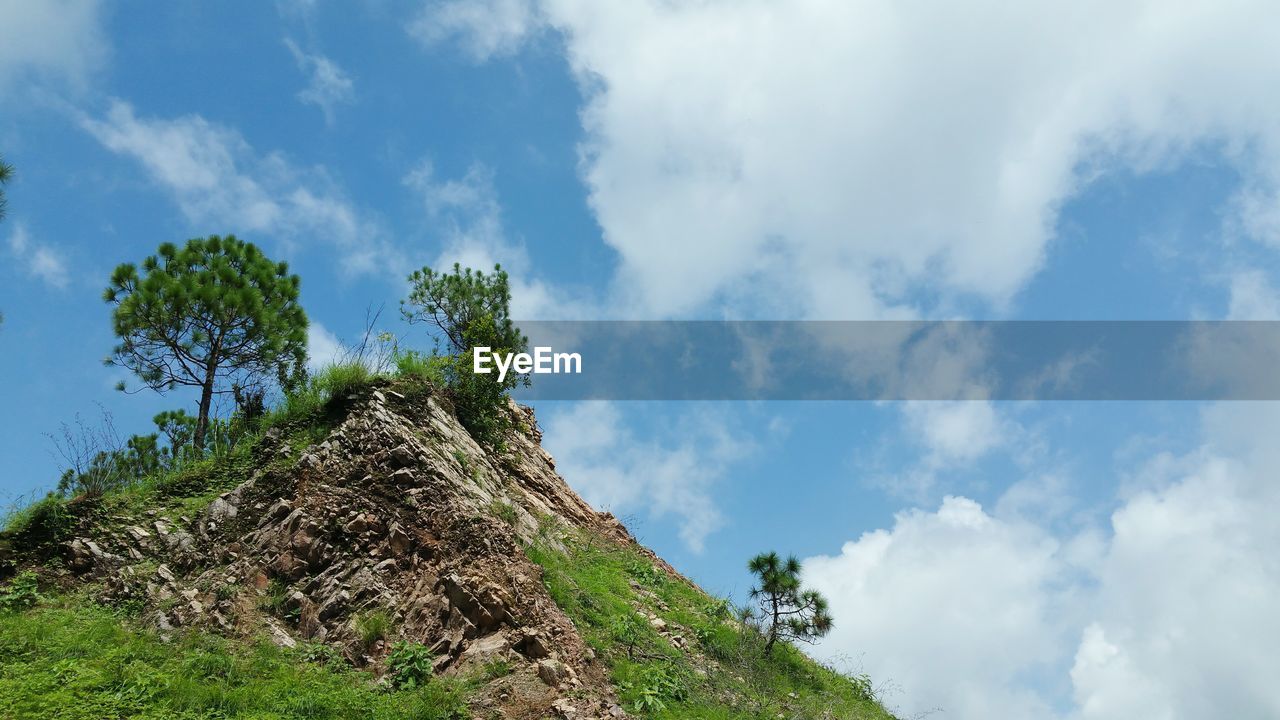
372, 626
504, 511
21, 594
497, 668
463, 461
409, 665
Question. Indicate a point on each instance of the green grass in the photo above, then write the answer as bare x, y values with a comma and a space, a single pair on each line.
372, 626
84, 662
592, 583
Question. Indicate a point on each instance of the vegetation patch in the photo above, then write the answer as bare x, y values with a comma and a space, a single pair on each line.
675, 652
85, 662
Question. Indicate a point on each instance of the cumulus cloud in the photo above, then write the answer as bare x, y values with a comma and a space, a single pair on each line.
323, 347
485, 28
1252, 297
59, 40
38, 260
952, 436
1163, 612
217, 179
856, 159
328, 84
673, 475
953, 605
466, 214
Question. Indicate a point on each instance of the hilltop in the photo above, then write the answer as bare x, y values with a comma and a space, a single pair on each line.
362, 555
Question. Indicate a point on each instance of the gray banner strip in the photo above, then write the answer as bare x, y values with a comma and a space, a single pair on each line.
906, 360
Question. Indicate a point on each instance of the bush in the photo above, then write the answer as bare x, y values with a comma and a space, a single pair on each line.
21, 594
409, 665
504, 511
44, 523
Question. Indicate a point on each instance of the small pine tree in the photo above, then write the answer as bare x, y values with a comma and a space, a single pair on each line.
788, 612
469, 309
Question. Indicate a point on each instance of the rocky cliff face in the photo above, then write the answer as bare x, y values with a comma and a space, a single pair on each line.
399, 514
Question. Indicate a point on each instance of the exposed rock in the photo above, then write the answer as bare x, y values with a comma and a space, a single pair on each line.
380, 518
552, 672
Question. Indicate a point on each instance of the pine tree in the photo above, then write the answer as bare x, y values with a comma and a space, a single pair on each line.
469, 309
788, 612
213, 315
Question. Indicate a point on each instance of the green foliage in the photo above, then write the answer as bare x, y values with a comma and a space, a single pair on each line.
646, 573
653, 686
728, 675
409, 665
788, 612
497, 668
21, 593
214, 315
504, 511
111, 469
342, 379
469, 309
85, 664
6, 174
429, 369
372, 626
42, 524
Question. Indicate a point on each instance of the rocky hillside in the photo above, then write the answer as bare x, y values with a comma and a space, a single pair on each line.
378, 535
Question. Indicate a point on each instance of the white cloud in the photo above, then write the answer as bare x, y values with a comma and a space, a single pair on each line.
39, 261
59, 40
952, 605
953, 436
672, 476
832, 158
328, 84
323, 347
485, 28
1165, 614
1252, 297
223, 186
466, 214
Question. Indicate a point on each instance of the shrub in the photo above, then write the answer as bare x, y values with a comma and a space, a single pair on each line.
656, 685
44, 523
409, 665
21, 593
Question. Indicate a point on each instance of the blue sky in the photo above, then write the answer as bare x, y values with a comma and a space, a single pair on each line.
863, 160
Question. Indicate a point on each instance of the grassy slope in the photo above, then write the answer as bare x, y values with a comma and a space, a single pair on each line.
610, 593
68, 657
72, 659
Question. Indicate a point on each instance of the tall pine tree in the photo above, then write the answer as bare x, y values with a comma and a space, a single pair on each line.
212, 315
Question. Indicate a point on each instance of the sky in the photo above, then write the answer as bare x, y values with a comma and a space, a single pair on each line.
742, 159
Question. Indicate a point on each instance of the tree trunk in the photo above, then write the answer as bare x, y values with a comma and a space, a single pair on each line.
773, 628
206, 401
